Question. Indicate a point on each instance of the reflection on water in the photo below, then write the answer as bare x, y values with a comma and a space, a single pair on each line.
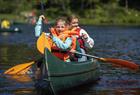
114, 42
20, 78
11, 55
16, 85
15, 54
4, 52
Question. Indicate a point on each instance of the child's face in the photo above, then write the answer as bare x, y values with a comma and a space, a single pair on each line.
60, 26
74, 22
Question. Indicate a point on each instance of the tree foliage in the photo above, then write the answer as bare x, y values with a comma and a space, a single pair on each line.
102, 10
10, 6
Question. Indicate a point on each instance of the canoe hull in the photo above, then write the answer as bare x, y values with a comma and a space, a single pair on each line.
62, 75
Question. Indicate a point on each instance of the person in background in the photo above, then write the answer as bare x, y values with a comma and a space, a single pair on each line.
5, 24
62, 43
85, 41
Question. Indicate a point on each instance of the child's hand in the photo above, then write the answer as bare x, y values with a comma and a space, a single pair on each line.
42, 16
84, 36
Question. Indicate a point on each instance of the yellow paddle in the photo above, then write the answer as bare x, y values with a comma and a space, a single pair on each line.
19, 69
42, 43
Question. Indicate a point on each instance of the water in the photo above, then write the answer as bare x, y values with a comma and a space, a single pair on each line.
110, 41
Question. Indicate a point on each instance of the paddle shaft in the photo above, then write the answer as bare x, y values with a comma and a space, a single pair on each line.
42, 7
88, 55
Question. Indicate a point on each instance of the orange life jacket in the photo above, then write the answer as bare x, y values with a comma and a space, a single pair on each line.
76, 30
63, 55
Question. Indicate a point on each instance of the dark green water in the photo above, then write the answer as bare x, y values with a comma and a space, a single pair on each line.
110, 41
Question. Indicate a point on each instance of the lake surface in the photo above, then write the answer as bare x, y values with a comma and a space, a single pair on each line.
110, 41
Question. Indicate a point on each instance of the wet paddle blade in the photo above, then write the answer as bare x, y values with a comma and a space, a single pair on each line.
123, 63
19, 69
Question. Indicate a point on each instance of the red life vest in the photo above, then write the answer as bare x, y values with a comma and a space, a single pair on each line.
80, 40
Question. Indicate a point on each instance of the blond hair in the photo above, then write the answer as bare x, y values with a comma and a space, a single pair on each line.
60, 19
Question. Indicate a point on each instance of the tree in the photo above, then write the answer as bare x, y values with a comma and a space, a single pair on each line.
7, 6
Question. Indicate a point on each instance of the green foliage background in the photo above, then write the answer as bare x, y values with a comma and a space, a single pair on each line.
117, 12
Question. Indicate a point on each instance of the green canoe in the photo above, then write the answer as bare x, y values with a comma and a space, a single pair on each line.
64, 75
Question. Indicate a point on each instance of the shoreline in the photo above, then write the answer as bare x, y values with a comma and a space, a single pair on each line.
16, 19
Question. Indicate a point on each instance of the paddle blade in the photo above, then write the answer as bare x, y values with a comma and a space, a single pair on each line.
19, 69
123, 63
43, 43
